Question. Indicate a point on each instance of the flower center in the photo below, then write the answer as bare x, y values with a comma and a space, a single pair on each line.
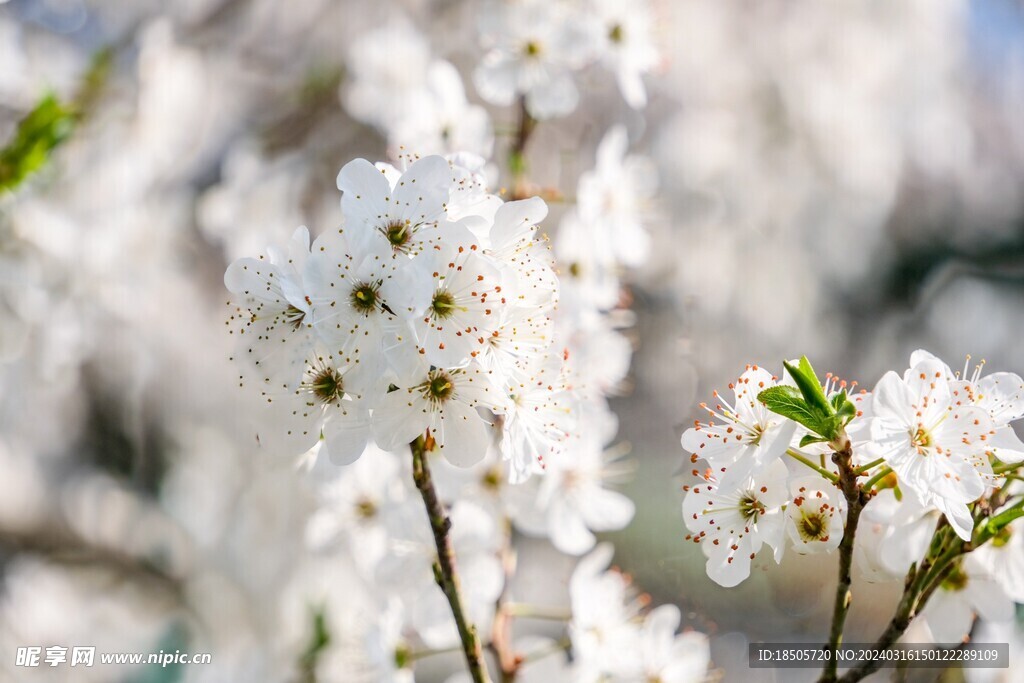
364, 298
398, 234
750, 507
532, 48
443, 305
439, 386
811, 526
491, 480
366, 509
756, 432
615, 34
921, 440
294, 316
327, 385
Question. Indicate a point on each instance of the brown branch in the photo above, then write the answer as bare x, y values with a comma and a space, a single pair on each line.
445, 572
855, 500
501, 630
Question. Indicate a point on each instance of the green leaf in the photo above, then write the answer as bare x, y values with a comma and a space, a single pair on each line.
809, 385
787, 402
38, 134
811, 438
838, 399
847, 411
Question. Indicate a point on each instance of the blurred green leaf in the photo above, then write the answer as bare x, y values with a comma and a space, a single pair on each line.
42, 130
319, 640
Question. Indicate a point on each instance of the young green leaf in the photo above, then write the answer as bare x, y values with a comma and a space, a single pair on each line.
811, 438
786, 401
807, 381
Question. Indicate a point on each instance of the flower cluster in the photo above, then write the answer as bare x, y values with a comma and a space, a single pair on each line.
534, 48
432, 315
925, 443
406, 323
925, 466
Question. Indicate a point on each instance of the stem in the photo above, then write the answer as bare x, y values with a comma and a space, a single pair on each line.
560, 646
855, 500
873, 463
525, 611
1005, 467
445, 573
501, 630
796, 455
879, 476
517, 153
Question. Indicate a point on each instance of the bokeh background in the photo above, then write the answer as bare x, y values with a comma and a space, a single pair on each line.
843, 180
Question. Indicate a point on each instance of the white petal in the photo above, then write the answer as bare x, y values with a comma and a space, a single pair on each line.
345, 435
365, 193
605, 510
461, 434
568, 532
422, 190
399, 418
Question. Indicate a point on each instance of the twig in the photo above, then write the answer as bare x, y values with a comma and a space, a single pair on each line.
501, 629
855, 500
445, 573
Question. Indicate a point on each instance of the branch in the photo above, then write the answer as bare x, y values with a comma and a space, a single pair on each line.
855, 500
445, 573
501, 630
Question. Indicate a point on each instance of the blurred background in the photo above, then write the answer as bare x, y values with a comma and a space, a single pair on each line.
843, 180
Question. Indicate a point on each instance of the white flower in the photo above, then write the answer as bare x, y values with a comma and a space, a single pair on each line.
731, 524
1001, 395
444, 402
614, 198
748, 438
536, 423
816, 515
627, 48
935, 447
967, 592
533, 49
387, 75
404, 218
466, 297
353, 504
1002, 558
321, 406
447, 122
470, 202
386, 648
668, 657
274, 318
363, 298
407, 569
514, 244
604, 634
893, 534
573, 492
